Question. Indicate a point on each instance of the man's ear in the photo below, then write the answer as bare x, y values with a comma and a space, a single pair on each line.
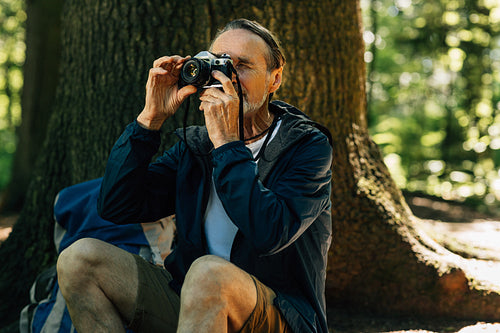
275, 81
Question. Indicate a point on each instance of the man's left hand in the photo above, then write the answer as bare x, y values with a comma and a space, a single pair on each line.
221, 109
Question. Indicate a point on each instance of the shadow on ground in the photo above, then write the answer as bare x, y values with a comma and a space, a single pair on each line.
459, 229
344, 321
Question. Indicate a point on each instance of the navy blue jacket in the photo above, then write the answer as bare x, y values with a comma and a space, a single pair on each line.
281, 207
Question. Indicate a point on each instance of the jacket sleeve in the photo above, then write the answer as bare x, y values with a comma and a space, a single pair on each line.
272, 218
132, 190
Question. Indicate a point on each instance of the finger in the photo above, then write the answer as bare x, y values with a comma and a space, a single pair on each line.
184, 92
217, 94
169, 61
215, 102
220, 97
156, 73
205, 106
163, 60
226, 82
220, 102
212, 102
206, 97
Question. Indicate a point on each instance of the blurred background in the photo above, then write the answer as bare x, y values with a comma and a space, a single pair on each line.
433, 95
433, 87
12, 55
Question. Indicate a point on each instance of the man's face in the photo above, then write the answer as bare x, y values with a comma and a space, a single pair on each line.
248, 52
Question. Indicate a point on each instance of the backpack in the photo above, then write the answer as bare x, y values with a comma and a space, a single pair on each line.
75, 215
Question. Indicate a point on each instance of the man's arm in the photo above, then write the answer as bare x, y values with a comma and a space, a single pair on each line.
131, 190
274, 217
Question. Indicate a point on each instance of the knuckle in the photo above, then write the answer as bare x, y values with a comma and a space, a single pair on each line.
154, 70
158, 62
217, 104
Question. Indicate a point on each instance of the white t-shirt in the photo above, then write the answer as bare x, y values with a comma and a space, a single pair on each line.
219, 229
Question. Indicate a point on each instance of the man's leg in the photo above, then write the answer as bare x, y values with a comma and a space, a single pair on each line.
99, 282
216, 296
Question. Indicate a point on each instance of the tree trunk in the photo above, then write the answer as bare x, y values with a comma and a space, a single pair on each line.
380, 258
40, 80
108, 47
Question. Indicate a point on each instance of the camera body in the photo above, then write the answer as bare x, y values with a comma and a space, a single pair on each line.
197, 71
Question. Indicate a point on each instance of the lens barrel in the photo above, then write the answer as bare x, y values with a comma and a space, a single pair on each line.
195, 72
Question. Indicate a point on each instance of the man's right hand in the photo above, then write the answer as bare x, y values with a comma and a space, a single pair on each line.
163, 97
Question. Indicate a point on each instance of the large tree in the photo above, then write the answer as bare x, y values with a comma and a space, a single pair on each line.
379, 256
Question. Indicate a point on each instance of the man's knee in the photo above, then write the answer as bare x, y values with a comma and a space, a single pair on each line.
78, 260
212, 279
210, 269
204, 285
215, 284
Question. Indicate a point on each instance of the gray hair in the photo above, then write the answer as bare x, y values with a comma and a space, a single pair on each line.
275, 58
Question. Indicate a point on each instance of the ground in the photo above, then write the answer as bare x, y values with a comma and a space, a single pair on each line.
347, 322
453, 225
456, 227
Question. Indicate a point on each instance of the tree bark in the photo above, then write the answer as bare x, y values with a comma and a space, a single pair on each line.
379, 259
107, 49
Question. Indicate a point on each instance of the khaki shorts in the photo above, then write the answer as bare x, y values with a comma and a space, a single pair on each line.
157, 308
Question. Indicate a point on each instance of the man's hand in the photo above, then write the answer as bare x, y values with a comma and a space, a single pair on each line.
163, 97
221, 111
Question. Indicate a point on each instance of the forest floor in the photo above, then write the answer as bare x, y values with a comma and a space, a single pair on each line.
455, 226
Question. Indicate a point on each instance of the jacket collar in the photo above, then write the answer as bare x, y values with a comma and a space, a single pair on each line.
295, 125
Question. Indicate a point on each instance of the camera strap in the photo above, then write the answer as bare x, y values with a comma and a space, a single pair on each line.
269, 132
240, 96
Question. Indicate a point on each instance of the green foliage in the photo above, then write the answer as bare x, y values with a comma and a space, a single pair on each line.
434, 94
7, 148
12, 51
433, 89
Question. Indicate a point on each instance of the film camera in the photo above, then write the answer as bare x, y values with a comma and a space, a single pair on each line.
197, 71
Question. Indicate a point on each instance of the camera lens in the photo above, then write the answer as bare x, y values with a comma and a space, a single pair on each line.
191, 70
195, 72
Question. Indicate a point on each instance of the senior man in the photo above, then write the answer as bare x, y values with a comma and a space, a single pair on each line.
252, 211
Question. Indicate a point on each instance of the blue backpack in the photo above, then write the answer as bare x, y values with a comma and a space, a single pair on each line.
75, 214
